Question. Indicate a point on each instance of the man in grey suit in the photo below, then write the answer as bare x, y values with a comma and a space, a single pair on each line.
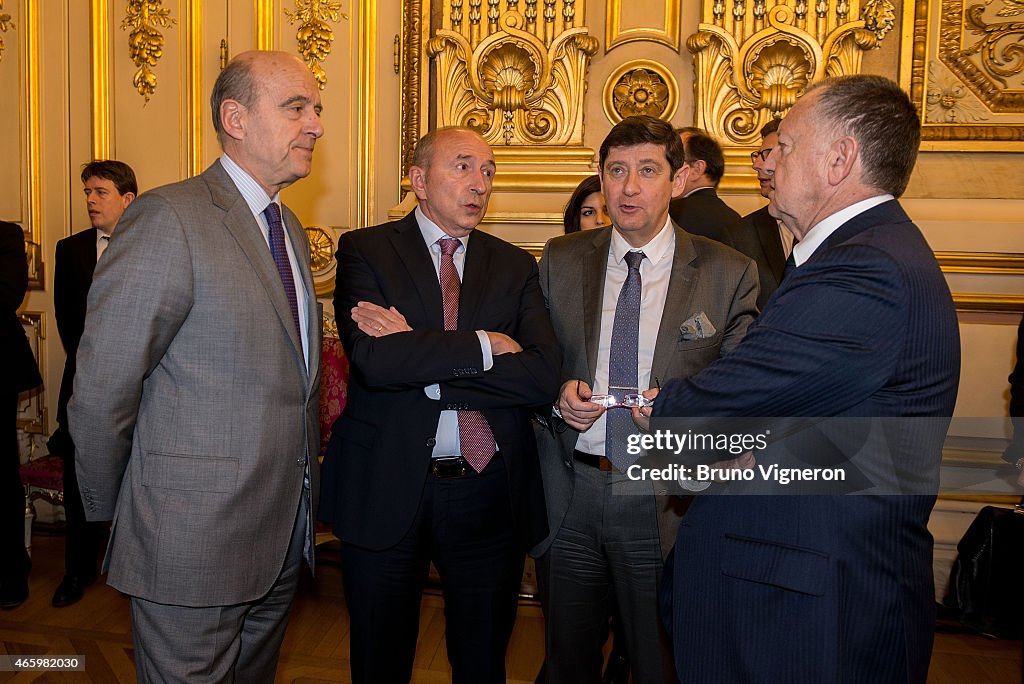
657, 302
195, 406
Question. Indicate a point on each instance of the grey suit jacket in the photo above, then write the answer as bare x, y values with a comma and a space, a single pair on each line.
194, 415
706, 277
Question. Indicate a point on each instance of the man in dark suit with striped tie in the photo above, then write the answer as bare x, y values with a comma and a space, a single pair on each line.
434, 458
799, 588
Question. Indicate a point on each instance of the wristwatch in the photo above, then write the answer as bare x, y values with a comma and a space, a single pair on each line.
1019, 463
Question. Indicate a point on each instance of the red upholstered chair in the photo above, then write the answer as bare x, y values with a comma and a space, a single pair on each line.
333, 381
334, 373
43, 478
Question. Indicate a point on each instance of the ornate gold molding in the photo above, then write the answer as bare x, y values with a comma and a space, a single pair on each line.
973, 302
31, 37
321, 259
939, 32
145, 42
752, 61
981, 263
31, 415
411, 74
367, 93
517, 77
315, 36
99, 54
264, 24
615, 35
5, 25
194, 93
640, 87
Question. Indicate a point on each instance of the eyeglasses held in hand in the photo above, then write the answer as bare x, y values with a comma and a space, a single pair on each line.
627, 401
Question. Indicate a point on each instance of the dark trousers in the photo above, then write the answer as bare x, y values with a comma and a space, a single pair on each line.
15, 564
465, 527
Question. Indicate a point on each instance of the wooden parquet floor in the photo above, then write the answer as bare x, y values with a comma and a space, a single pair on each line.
315, 650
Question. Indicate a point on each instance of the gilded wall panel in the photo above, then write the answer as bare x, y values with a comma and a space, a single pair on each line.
964, 67
21, 201
646, 21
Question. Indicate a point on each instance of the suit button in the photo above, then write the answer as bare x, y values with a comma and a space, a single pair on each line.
431, 442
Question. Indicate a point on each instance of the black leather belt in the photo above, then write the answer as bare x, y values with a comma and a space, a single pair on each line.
593, 460
445, 467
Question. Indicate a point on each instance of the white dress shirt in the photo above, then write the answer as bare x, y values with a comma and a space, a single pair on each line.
446, 441
102, 242
820, 232
655, 272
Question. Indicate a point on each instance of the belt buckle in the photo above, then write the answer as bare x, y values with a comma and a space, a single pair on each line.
448, 466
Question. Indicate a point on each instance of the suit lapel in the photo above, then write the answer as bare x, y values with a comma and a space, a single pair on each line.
474, 273
884, 213
768, 233
408, 244
677, 303
595, 263
239, 221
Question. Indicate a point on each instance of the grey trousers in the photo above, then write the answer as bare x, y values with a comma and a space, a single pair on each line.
608, 545
207, 645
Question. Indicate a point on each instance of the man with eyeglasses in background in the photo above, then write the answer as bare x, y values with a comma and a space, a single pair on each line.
760, 235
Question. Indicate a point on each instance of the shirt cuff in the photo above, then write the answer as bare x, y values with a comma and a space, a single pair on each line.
485, 347
433, 391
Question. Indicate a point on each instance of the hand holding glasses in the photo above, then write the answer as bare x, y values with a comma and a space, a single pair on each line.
630, 401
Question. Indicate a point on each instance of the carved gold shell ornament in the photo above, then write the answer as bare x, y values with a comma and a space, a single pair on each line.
752, 62
516, 78
145, 41
640, 87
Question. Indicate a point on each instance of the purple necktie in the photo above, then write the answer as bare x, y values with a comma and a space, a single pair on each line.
280, 253
623, 362
475, 437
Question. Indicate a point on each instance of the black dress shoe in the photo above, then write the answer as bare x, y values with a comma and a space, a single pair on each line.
13, 594
70, 590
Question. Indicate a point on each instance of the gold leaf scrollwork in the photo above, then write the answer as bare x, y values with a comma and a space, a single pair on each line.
517, 78
315, 35
5, 24
145, 42
1002, 56
752, 61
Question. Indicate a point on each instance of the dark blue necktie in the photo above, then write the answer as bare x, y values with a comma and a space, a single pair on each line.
280, 253
622, 363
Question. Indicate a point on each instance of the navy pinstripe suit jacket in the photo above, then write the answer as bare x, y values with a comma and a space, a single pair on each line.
823, 588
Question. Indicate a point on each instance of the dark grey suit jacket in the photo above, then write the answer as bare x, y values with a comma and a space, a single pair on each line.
757, 236
706, 277
193, 414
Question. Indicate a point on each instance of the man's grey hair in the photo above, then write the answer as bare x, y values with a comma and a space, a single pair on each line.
881, 118
235, 82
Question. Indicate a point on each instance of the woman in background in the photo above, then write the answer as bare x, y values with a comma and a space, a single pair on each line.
586, 209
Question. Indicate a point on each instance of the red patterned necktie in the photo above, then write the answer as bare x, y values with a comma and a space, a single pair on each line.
475, 436
280, 253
